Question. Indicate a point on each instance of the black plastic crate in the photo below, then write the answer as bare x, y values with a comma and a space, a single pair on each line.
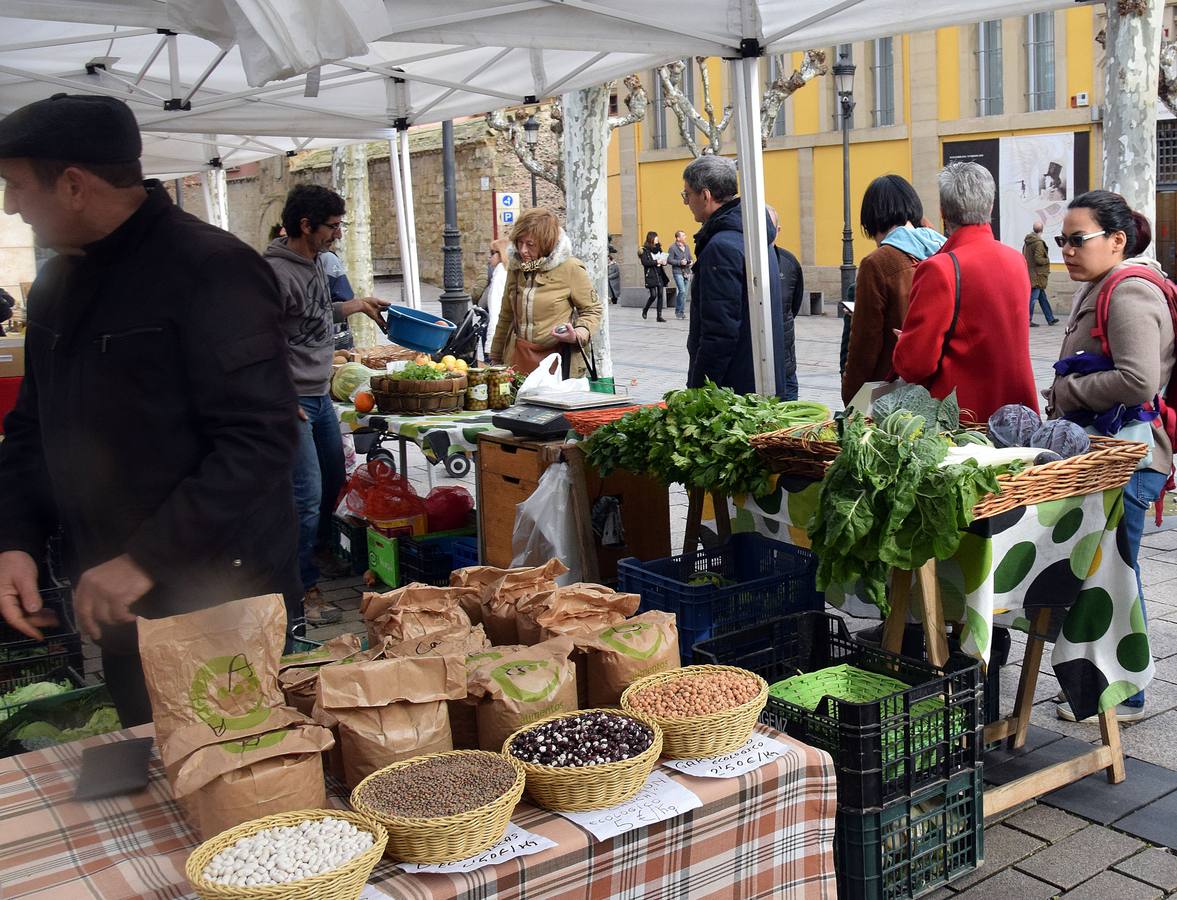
23, 659
711, 592
429, 559
60, 673
913, 845
883, 750
349, 543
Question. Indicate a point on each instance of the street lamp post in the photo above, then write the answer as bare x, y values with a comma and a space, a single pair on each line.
454, 300
844, 84
531, 138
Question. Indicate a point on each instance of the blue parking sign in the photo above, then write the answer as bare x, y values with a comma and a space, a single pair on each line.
508, 216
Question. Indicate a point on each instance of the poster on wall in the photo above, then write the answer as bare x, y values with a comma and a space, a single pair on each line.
985, 153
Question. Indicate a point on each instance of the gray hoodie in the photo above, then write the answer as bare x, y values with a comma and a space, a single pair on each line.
308, 317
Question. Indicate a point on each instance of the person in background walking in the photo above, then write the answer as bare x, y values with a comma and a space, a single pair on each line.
656, 279
1038, 263
614, 280
679, 259
792, 293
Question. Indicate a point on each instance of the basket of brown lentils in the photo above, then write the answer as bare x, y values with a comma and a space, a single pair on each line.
442, 807
703, 711
591, 759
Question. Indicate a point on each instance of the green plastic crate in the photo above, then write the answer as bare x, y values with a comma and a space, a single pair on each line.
914, 845
384, 558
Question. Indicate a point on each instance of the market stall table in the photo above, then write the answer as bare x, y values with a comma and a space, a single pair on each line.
769, 832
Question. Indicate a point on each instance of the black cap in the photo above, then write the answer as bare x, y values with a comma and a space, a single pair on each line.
74, 127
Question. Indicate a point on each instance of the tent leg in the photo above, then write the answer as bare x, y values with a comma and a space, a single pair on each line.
410, 218
402, 228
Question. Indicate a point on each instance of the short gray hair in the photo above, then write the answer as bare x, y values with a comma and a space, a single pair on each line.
713, 173
966, 194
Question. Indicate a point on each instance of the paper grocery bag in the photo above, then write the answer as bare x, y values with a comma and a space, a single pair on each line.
520, 687
479, 578
214, 670
500, 601
299, 675
412, 612
624, 653
389, 709
578, 608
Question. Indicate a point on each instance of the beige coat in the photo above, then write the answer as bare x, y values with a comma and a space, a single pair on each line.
536, 302
1140, 335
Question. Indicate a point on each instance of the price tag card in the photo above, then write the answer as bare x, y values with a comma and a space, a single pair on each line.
661, 798
516, 842
371, 892
759, 750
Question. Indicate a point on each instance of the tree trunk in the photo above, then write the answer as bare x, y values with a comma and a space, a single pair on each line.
1132, 61
586, 146
349, 175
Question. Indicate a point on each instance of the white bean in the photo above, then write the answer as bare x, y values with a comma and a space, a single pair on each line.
289, 853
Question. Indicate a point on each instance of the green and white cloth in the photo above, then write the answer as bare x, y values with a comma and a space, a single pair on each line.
437, 436
1070, 555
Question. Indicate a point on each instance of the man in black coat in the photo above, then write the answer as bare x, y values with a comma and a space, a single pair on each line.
792, 296
156, 423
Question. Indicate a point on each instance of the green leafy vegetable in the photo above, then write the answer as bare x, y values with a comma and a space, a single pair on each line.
916, 400
887, 502
416, 372
27, 693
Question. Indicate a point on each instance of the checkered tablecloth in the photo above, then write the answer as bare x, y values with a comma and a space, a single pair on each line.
768, 833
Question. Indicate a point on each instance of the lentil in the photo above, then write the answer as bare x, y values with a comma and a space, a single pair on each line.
288, 853
444, 786
695, 695
587, 739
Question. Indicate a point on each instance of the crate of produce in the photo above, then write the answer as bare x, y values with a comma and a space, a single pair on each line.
22, 658
465, 552
711, 592
384, 558
349, 543
912, 845
19, 694
71, 715
430, 559
899, 726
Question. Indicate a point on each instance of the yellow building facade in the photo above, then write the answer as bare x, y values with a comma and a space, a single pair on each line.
997, 88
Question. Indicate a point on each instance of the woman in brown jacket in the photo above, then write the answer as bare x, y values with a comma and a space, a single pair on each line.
549, 304
891, 211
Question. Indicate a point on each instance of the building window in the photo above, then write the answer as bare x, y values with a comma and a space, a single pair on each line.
990, 100
883, 76
1040, 61
778, 67
1167, 152
658, 116
841, 52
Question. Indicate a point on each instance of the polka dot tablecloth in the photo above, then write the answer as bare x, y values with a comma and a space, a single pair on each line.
1070, 555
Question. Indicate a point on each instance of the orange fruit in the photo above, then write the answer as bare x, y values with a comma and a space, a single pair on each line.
365, 402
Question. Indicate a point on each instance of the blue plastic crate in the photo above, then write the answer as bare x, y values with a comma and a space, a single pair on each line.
465, 551
746, 581
429, 559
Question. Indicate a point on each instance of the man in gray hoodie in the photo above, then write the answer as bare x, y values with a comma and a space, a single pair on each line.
313, 218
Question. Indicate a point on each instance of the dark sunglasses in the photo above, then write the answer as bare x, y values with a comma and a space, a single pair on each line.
1076, 240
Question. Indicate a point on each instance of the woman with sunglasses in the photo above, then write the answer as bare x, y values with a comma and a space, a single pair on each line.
1101, 235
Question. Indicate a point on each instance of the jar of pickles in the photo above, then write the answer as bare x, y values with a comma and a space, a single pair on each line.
499, 384
477, 389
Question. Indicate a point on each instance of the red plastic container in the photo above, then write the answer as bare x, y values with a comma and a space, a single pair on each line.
9, 388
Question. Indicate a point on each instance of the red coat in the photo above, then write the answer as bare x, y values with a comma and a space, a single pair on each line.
988, 358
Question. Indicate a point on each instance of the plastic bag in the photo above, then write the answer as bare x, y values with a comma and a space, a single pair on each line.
546, 378
545, 527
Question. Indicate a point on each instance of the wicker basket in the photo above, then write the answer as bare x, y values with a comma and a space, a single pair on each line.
405, 397
792, 451
343, 883
582, 788
446, 838
699, 737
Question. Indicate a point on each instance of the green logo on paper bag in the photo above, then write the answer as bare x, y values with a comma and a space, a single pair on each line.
257, 742
226, 694
632, 639
527, 681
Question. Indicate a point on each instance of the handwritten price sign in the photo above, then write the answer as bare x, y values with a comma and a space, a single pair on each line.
661, 798
516, 842
757, 752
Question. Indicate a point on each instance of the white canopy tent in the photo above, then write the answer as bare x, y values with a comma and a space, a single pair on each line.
359, 69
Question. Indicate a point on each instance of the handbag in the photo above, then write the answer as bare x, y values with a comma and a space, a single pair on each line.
526, 356
596, 383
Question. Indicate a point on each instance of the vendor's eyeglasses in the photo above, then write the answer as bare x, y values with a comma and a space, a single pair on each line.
1076, 240
683, 194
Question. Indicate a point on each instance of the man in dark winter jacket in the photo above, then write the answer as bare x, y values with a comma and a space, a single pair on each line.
719, 340
792, 295
156, 423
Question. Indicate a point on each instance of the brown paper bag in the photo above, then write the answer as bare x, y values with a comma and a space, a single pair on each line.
622, 654
501, 600
412, 612
479, 578
215, 670
387, 710
575, 609
300, 671
521, 687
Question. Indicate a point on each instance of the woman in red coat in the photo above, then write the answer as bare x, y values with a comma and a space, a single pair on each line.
981, 347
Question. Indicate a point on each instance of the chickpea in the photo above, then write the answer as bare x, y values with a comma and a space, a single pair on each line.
696, 695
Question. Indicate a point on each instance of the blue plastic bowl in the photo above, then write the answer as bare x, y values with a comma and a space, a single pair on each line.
418, 330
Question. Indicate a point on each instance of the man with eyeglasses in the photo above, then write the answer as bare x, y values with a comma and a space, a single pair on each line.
313, 219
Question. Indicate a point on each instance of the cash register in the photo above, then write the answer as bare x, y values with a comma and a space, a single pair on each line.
540, 416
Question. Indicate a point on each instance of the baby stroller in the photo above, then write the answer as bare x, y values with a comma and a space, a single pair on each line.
468, 337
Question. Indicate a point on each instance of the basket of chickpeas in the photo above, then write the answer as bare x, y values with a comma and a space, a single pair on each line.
703, 711
591, 759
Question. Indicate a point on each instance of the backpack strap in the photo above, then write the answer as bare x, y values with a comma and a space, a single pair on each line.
1104, 299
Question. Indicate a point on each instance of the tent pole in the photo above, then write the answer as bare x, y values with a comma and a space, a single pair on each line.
209, 212
746, 78
410, 217
402, 230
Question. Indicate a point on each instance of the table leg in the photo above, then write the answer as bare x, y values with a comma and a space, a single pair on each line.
1029, 679
582, 512
723, 519
934, 637
900, 604
404, 456
694, 519
1109, 729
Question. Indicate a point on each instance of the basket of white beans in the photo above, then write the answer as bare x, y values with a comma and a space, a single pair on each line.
312, 854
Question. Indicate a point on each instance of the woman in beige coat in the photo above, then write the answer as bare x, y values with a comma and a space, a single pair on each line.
549, 304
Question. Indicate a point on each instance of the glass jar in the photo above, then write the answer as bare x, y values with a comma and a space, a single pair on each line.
500, 387
477, 389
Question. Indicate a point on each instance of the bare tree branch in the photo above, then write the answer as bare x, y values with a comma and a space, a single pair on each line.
714, 132
636, 102
813, 64
676, 101
513, 129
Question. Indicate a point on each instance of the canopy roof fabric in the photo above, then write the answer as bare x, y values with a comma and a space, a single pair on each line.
367, 66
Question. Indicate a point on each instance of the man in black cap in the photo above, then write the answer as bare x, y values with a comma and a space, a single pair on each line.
156, 423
